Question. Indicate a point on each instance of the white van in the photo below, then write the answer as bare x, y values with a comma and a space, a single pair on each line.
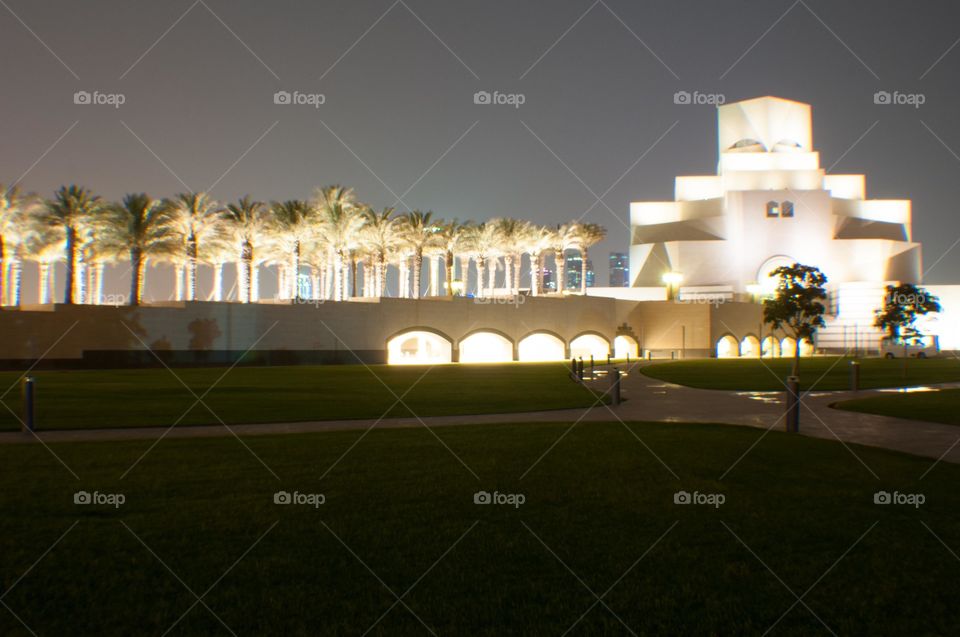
923, 347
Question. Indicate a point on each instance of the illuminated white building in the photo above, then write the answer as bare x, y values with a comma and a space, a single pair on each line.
770, 204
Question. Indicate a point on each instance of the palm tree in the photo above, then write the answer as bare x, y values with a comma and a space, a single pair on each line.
69, 208
379, 238
450, 238
588, 234
563, 238
294, 226
418, 231
484, 241
18, 224
46, 249
514, 235
539, 240
195, 219
342, 219
249, 225
136, 227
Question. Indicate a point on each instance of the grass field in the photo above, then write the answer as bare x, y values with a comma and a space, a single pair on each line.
826, 372
145, 397
400, 506
939, 406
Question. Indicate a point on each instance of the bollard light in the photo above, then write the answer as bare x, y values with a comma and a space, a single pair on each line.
28, 404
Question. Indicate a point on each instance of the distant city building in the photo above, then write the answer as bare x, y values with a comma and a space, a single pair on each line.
573, 270
619, 270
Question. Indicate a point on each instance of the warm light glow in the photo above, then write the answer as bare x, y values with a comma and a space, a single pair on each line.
485, 347
588, 345
419, 348
623, 345
727, 347
672, 278
750, 347
541, 347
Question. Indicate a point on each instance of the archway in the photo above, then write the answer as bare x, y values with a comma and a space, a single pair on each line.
788, 347
806, 348
727, 347
770, 347
750, 347
587, 345
624, 345
419, 347
486, 347
541, 346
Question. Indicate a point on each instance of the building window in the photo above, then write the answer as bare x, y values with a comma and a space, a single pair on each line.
773, 209
786, 209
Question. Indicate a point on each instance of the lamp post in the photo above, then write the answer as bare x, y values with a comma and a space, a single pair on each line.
672, 280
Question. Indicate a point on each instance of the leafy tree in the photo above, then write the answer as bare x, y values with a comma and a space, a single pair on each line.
902, 306
796, 304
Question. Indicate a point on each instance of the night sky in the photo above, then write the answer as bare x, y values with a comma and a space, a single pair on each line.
399, 123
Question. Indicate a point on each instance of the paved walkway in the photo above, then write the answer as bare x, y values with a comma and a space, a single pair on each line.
645, 399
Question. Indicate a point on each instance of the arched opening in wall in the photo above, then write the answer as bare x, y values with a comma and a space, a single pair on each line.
541, 347
788, 347
771, 347
750, 347
806, 348
419, 347
625, 345
727, 347
486, 347
587, 345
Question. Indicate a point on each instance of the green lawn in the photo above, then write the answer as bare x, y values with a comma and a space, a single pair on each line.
939, 406
133, 398
399, 500
826, 372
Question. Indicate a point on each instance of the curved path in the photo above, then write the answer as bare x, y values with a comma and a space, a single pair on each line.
645, 399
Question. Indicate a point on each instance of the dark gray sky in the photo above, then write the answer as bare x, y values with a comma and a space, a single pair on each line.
399, 80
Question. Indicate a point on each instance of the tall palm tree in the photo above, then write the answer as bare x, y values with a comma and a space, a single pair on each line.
69, 208
564, 238
342, 219
195, 219
45, 248
539, 240
379, 238
294, 225
513, 239
450, 236
137, 228
588, 235
419, 232
249, 225
19, 222
484, 242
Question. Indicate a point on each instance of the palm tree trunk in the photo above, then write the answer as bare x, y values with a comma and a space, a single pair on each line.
417, 267
295, 271
491, 276
80, 278
517, 273
534, 274
558, 265
192, 269
70, 258
44, 282
16, 271
314, 283
381, 268
217, 282
508, 273
541, 271
338, 276
136, 275
481, 263
254, 280
448, 272
583, 271
3, 270
98, 269
178, 284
